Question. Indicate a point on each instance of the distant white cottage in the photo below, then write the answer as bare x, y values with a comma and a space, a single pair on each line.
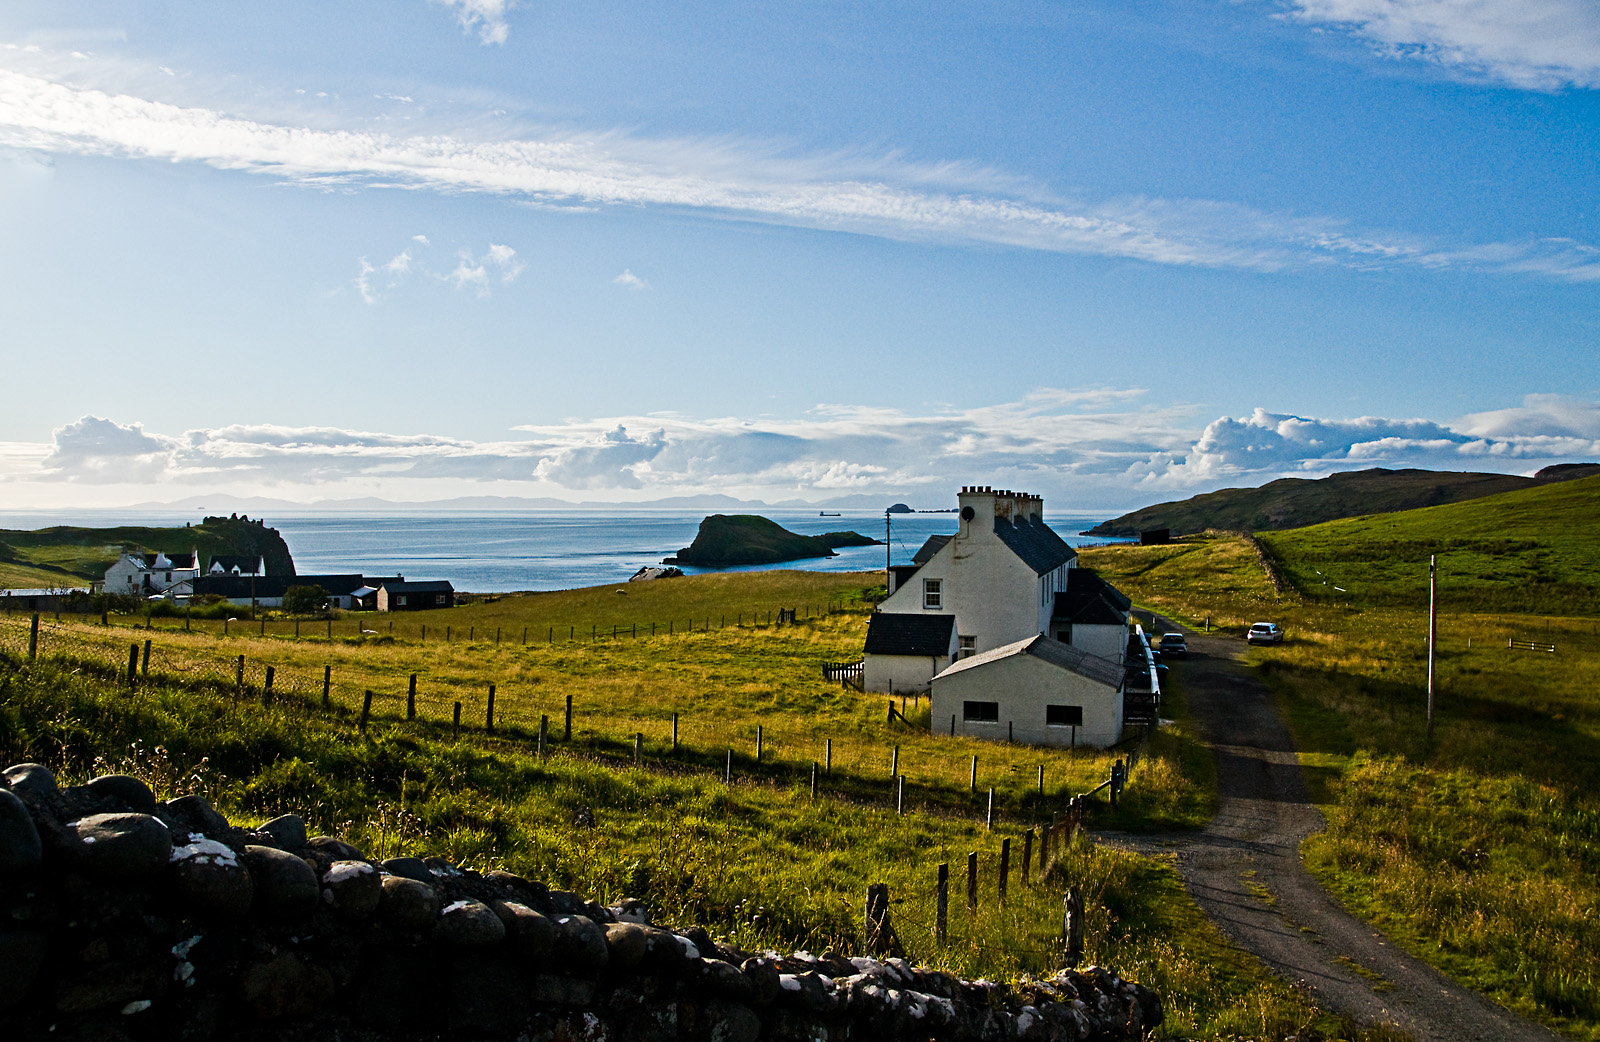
147, 575
1011, 638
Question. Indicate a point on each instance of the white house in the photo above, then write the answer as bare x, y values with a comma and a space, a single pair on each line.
1004, 576
145, 575
1037, 690
237, 564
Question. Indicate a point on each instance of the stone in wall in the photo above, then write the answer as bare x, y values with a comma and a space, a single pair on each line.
124, 918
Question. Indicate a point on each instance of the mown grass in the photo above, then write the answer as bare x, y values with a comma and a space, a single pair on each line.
759, 862
1478, 850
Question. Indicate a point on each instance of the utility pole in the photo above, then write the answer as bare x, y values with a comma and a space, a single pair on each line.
888, 546
1433, 629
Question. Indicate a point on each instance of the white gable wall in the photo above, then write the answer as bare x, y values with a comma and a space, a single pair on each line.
1021, 687
1107, 642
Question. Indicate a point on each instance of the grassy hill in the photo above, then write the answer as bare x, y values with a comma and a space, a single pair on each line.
1297, 502
66, 556
1535, 550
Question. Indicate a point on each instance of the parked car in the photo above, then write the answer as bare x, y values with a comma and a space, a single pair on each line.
1174, 644
1264, 633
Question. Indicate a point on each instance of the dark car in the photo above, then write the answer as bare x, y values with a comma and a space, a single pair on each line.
1174, 645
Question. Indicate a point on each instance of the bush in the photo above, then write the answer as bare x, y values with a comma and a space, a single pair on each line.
305, 600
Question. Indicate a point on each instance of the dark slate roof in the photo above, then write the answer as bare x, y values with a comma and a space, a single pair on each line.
1035, 542
909, 633
179, 560
1091, 600
934, 544
244, 562
424, 586
1041, 647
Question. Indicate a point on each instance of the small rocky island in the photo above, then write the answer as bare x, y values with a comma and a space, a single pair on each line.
733, 539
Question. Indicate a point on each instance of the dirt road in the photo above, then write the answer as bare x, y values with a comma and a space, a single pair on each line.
1245, 872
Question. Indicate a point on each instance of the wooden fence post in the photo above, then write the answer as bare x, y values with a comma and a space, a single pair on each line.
33, 638
566, 731
455, 723
266, 690
727, 771
1041, 779
144, 666
1005, 867
544, 731
638, 749
411, 698
894, 763
133, 664
941, 908
972, 786
674, 734
952, 725
989, 818
1027, 857
327, 686
972, 881
828, 755
366, 709
1072, 928
758, 743
813, 779
488, 716
876, 928
900, 794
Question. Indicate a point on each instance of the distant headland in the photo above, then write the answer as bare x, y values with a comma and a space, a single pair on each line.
735, 539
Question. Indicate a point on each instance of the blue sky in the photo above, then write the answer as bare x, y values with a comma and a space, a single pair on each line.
1113, 252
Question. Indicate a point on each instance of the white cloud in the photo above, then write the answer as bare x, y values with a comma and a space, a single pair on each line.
375, 282
1535, 44
1097, 446
485, 17
871, 196
631, 281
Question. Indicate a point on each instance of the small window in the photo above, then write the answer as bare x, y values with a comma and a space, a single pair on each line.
966, 647
399, 598
438, 599
1064, 633
981, 712
932, 596
1063, 716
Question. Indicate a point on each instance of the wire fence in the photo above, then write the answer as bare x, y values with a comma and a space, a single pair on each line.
367, 689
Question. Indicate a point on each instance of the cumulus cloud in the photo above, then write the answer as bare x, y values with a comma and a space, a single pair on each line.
487, 18
631, 281
1535, 44
946, 202
498, 263
1100, 445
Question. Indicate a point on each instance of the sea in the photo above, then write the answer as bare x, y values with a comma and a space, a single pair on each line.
500, 552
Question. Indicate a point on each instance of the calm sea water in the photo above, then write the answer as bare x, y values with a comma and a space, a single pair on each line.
538, 550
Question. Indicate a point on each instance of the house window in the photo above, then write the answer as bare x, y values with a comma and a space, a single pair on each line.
400, 599
169, 577
1064, 633
438, 599
1063, 716
981, 712
966, 647
932, 594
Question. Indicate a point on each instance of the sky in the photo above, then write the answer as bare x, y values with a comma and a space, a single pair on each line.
1115, 253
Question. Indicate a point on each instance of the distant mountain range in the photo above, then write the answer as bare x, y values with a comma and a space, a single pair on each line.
1297, 502
256, 505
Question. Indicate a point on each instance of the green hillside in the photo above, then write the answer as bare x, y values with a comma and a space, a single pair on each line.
1535, 550
1297, 502
65, 555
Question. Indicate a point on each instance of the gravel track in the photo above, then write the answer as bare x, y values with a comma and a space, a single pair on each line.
1244, 870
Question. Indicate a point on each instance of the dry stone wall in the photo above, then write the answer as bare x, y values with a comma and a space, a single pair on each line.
125, 918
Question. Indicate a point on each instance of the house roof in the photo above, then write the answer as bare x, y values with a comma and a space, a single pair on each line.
237, 586
909, 633
425, 586
1062, 656
934, 544
1090, 600
1035, 542
246, 563
180, 561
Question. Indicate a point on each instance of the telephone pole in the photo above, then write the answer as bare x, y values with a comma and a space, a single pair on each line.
1433, 629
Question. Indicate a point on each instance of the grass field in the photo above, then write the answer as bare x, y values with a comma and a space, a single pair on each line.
1478, 850
757, 862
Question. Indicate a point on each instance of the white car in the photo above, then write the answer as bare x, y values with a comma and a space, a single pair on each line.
1264, 633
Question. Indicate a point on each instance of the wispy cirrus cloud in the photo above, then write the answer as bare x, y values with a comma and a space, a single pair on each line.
949, 203
1534, 44
1098, 446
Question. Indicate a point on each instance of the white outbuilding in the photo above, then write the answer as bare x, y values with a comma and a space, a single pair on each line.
1036, 690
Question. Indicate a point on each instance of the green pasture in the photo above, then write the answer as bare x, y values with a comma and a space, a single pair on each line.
1479, 850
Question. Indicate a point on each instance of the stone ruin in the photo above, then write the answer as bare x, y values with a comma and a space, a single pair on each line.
123, 918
